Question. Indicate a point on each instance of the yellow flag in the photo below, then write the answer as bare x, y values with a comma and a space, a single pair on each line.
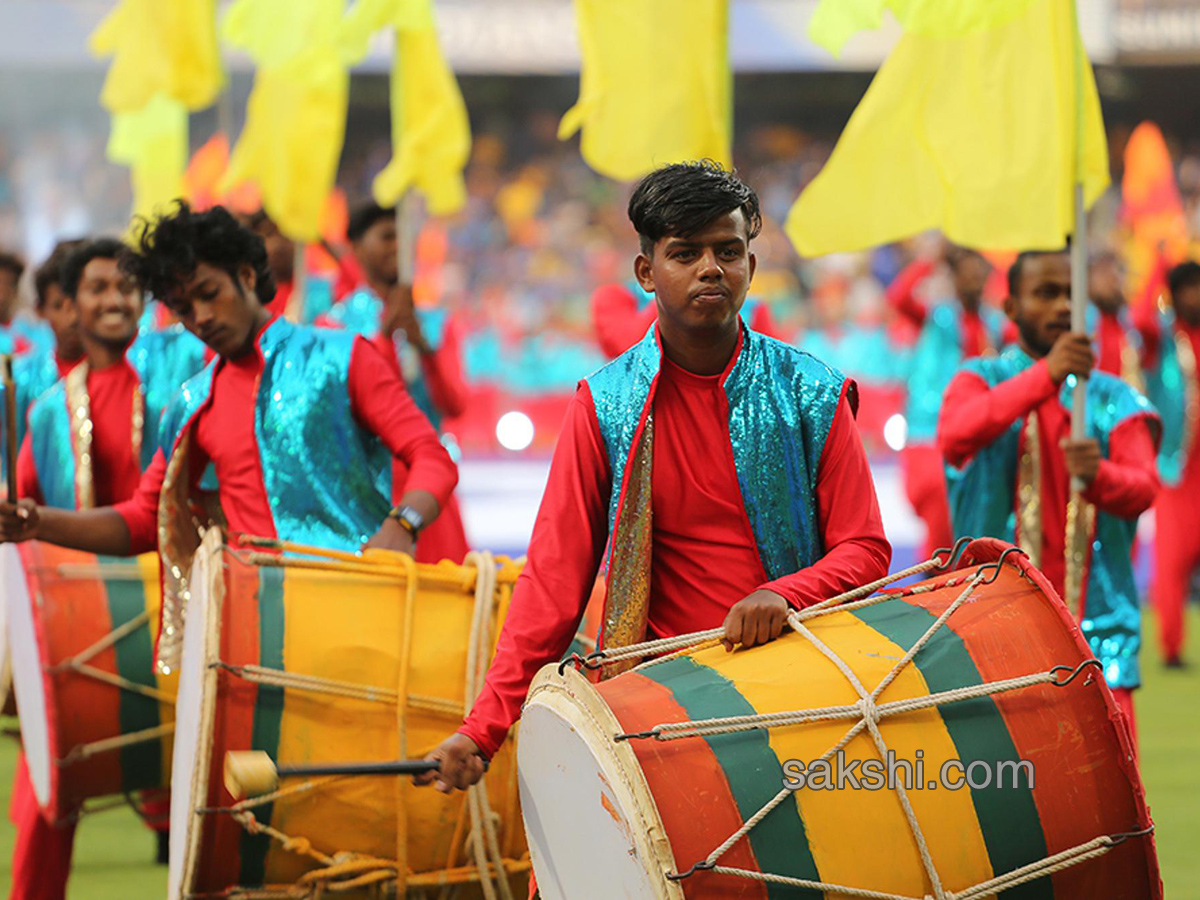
431, 135
159, 47
296, 114
655, 84
835, 21
152, 141
974, 134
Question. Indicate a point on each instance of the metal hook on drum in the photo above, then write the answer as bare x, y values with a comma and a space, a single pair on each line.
591, 662
703, 866
1128, 835
955, 554
997, 565
1075, 671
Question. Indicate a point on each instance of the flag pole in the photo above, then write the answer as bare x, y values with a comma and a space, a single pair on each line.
1079, 249
295, 304
1078, 530
406, 238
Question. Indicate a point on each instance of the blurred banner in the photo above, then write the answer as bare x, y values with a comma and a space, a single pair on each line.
1157, 31
533, 36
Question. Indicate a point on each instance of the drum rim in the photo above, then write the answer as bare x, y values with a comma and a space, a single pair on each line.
594, 717
208, 570
23, 556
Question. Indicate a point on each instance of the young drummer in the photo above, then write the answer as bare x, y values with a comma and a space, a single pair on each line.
300, 424
720, 469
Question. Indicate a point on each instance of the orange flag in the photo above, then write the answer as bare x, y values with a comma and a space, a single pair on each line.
1152, 209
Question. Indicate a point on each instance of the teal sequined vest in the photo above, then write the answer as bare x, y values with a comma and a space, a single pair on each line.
163, 361
936, 357
1172, 388
781, 405
362, 313
982, 505
328, 481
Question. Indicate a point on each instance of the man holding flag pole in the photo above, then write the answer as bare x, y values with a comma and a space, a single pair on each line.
985, 122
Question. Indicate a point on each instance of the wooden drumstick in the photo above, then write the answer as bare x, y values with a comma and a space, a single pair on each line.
10, 425
250, 773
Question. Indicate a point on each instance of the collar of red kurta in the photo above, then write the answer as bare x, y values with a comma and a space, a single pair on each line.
737, 351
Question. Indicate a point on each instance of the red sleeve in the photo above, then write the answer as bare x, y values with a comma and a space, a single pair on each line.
140, 511
973, 415
618, 322
1127, 482
856, 550
565, 551
383, 406
27, 476
444, 375
901, 293
1144, 310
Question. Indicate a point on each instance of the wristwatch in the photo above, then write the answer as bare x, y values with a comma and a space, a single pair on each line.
410, 520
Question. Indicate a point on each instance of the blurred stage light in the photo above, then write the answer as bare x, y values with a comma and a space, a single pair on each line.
514, 431
895, 432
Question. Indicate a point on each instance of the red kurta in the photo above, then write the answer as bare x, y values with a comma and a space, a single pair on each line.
224, 432
115, 466
1176, 512
704, 554
974, 415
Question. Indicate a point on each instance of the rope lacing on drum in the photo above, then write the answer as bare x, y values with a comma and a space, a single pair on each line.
867, 712
346, 871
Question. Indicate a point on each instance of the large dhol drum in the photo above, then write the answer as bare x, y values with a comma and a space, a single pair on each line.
95, 718
304, 659
667, 781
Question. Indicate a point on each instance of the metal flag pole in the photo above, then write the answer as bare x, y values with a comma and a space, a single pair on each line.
295, 304
406, 237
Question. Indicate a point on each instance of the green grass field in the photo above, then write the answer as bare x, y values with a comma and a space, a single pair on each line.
113, 850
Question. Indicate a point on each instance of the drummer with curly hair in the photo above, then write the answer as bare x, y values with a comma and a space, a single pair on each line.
718, 471
300, 424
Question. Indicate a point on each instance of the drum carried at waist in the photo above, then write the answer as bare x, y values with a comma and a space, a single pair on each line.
95, 718
696, 774
335, 660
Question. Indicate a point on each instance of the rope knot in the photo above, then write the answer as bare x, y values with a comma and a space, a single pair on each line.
301, 845
868, 709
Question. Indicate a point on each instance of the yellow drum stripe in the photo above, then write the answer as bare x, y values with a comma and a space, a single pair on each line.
152, 590
838, 821
345, 628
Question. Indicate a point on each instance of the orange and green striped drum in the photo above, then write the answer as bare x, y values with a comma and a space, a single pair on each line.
613, 808
305, 658
95, 718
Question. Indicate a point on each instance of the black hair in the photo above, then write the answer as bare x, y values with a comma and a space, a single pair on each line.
50, 271
955, 256
83, 253
1183, 275
167, 250
682, 198
364, 217
12, 263
1017, 269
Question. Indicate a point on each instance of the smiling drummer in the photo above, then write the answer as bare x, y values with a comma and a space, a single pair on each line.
720, 471
300, 424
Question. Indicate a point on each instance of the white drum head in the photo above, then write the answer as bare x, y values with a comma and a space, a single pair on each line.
592, 825
193, 722
28, 672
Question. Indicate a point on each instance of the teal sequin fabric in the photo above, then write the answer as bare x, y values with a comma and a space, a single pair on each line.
329, 481
982, 505
781, 405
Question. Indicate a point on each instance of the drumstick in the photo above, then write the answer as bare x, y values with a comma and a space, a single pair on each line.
10, 425
250, 773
